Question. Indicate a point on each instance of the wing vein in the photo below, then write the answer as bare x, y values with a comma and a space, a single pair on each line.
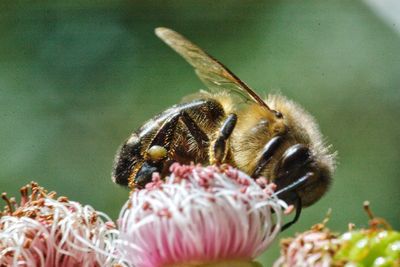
211, 72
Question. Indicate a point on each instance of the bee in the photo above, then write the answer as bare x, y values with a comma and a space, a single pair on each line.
230, 123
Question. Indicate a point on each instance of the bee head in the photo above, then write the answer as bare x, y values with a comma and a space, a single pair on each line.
305, 154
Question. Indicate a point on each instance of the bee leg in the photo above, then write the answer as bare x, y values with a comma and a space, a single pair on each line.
266, 155
160, 147
156, 152
165, 134
296, 216
145, 174
197, 133
218, 149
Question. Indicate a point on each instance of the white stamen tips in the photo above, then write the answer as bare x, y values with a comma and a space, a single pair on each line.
199, 214
44, 231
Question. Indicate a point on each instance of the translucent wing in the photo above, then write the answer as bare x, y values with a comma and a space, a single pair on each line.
213, 73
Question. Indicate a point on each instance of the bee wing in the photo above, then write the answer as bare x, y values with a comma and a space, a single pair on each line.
213, 74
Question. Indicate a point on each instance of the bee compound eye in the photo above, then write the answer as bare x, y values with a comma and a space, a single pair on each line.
294, 158
157, 153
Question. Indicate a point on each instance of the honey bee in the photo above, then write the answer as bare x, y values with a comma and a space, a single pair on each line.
230, 123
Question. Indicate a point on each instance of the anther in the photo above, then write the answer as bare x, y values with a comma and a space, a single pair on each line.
93, 218
24, 195
368, 210
8, 202
62, 199
375, 221
52, 194
13, 202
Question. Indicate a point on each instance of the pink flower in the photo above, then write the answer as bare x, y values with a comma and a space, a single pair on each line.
199, 215
45, 231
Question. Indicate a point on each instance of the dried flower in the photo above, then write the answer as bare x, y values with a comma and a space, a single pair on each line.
377, 246
199, 215
45, 231
313, 248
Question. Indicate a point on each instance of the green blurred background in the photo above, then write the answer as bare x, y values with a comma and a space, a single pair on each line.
76, 79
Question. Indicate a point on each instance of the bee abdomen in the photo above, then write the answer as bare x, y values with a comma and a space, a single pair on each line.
187, 139
127, 157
